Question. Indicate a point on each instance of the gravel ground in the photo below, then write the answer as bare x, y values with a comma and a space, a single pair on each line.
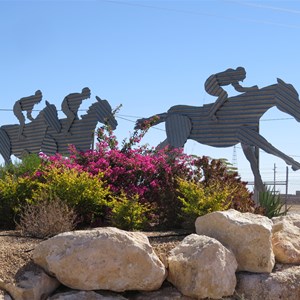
16, 251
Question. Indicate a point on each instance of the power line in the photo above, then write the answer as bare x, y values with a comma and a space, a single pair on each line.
138, 117
201, 14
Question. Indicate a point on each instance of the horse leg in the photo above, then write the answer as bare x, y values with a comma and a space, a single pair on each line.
253, 138
250, 155
5, 146
163, 144
178, 128
49, 145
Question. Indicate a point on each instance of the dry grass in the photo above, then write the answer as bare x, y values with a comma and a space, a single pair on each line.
46, 218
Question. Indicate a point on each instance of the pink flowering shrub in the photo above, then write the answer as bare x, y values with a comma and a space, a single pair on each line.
138, 171
152, 176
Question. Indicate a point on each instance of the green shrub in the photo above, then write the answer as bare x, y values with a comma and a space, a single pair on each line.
15, 192
87, 194
28, 165
221, 172
129, 214
46, 217
272, 204
198, 200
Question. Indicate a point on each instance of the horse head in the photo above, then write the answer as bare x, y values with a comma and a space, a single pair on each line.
51, 117
104, 113
287, 99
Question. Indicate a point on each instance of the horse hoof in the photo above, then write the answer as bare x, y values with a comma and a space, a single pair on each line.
295, 167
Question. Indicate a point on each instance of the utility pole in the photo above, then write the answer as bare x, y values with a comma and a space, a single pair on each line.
286, 187
234, 157
256, 153
274, 188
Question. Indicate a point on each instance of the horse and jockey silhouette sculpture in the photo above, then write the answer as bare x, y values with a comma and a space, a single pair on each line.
224, 123
81, 132
47, 133
28, 139
232, 120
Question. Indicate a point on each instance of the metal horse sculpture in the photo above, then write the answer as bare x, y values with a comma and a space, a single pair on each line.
237, 122
34, 134
81, 133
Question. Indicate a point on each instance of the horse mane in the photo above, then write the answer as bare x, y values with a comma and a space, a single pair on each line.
90, 110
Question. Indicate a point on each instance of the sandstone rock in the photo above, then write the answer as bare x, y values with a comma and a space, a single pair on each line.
286, 241
166, 292
31, 286
86, 295
202, 267
283, 283
5, 297
248, 235
291, 218
103, 258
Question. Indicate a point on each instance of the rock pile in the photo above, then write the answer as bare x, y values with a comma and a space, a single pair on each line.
231, 254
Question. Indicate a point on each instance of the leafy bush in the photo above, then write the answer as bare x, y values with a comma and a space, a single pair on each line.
130, 214
15, 192
28, 165
211, 171
153, 174
148, 173
46, 217
198, 200
87, 194
272, 204
16, 188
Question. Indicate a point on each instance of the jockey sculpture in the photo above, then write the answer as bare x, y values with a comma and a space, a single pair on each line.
71, 103
213, 86
26, 104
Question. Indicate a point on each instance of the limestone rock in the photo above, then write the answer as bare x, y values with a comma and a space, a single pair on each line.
166, 292
5, 297
103, 258
248, 235
286, 242
293, 218
283, 283
31, 286
86, 295
202, 267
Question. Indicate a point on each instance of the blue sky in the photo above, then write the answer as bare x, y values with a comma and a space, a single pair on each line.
151, 55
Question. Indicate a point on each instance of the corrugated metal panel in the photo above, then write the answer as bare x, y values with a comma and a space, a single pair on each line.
237, 121
33, 134
5, 145
243, 110
50, 135
81, 133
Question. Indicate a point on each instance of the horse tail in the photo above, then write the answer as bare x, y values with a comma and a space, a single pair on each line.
5, 146
154, 120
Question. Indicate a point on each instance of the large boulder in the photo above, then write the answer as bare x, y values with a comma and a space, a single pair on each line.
166, 292
31, 285
5, 297
291, 218
202, 267
85, 295
248, 235
286, 240
283, 283
102, 258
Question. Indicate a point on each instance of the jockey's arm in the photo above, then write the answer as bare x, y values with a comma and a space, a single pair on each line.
242, 89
